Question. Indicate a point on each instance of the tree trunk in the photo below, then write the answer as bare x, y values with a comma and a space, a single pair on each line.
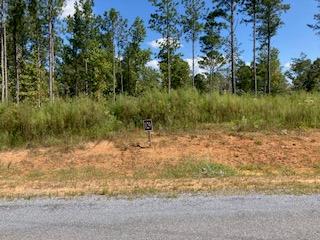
255, 82
269, 58
87, 78
121, 77
168, 50
2, 66
233, 73
5, 60
193, 62
269, 65
169, 68
17, 65
193, 47
114, 73
51, 53
39, 73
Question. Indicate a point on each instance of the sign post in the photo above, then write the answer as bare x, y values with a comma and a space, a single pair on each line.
148, 127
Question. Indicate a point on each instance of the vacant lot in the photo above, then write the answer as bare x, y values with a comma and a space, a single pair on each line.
202, 161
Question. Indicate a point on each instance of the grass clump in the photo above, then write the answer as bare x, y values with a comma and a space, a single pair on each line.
198, 169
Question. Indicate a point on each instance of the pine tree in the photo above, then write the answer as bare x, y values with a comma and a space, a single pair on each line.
17, 22
135, 58
229, 8
114, 24
192, 25
165, 21
316, 25
269, 17
211, 43
251, 7
54, 10
36, 20
3, 40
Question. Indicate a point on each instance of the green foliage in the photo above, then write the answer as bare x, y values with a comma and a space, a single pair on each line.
211, 43
316, 25
81, 117
244, 76
180, 72
87, 119
278, 80
187, 108
191, 168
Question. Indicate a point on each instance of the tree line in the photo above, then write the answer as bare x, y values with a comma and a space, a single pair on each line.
44, 55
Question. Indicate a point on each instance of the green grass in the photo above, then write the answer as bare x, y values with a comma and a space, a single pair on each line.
196, 169
267, 169
74, 120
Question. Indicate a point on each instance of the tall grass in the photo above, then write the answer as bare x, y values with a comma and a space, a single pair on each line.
182, 109
63, 119
187, 108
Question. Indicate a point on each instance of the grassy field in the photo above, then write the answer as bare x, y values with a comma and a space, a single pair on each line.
84, 119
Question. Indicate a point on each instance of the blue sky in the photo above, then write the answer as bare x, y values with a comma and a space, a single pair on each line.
292, 39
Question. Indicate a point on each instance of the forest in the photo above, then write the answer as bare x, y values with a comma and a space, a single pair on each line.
61, 75
45, 56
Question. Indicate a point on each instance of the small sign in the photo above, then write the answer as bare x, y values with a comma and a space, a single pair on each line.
148, 126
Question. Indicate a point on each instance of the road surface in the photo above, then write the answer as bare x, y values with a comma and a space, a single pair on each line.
186, 217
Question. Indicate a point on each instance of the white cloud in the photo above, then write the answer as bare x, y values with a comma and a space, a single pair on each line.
197, 68
153, 64
157, 43
287, 65
68, 8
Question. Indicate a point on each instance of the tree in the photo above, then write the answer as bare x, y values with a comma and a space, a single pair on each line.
17, 21
244, 77
180, 71
273, 65
149, 79
36, 13
121, 39
201, 82
3, 40
313, 80
54, 10
269, 17
192, 26
135, 58
251, 7
299, 72
83, 47
316, 25
229, 8
165, 21
114, 26
211, 43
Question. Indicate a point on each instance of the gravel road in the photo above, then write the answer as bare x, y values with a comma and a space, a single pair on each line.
186, 217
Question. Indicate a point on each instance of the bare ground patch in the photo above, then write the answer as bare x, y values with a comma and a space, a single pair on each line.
284, 162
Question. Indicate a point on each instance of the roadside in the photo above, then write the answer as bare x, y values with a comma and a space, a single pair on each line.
202, 161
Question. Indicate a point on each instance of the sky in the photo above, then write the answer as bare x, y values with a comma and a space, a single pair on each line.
292, 39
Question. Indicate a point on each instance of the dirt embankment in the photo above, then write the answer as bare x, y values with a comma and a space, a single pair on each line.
124, 164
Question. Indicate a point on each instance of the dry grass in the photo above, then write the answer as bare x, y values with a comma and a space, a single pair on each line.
205, 161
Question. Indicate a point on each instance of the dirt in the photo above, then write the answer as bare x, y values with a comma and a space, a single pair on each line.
126, 156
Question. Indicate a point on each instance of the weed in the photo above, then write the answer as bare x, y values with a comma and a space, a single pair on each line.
197, 169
